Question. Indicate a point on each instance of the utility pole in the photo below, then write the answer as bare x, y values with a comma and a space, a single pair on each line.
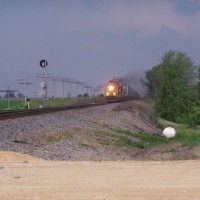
70, 81
26, 83
54, 87
94, 90
63, 80
77, 86
99, 87
87, 87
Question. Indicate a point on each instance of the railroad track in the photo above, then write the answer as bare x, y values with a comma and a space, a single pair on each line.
10, 114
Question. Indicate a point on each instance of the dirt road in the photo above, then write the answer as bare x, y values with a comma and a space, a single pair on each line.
25, 177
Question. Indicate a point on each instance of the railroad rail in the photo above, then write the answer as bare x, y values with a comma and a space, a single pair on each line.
9, 114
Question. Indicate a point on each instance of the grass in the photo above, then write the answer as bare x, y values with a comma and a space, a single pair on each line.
16, 103
123, 138
13, 103
124, 141
54, 137
141, 139
87, 146
185, 136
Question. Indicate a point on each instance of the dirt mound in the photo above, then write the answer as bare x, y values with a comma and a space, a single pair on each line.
17, 157
142, 115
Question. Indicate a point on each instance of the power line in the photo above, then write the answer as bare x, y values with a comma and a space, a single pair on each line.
8, 91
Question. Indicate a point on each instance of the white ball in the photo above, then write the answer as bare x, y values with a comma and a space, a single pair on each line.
169, 132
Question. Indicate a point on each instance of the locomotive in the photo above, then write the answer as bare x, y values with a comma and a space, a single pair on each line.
116, 90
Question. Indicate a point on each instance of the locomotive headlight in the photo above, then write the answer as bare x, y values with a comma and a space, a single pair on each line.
110, 87
107, 93
114, 93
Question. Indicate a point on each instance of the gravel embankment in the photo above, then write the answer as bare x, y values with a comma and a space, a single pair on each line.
72, 134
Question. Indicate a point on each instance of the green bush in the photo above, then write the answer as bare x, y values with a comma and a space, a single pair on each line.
194, 116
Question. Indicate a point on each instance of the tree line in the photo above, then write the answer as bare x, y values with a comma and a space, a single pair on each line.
12, 95
175, 85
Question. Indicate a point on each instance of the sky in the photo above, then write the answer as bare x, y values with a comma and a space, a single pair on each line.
92, 41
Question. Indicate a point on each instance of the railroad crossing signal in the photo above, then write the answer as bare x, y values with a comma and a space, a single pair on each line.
43, 63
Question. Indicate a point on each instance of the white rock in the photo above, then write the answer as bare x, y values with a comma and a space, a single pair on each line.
169, 132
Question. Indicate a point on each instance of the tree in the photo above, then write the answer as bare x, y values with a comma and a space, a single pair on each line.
173, 84
10, 95
86, 95
198, 87
177, 86
20, 95
152, 81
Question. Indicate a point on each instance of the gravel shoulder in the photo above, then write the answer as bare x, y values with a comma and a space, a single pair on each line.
72, 134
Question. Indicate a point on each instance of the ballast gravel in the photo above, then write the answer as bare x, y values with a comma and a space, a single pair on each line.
71, 134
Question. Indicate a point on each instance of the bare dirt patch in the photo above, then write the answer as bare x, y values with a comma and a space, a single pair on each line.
89, 180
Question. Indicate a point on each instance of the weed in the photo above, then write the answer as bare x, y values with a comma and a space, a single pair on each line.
87, 146
142, 139
55, 137
123, 141
172, 150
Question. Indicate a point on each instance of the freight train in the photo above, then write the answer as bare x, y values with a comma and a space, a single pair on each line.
116, 90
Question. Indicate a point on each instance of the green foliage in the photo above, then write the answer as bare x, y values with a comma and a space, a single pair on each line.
152, 81
139, 140
198, 86
125, 141
174, 84
194, 115
150, 140
184, 136
187, 138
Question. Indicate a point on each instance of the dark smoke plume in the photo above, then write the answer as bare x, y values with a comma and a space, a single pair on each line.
133, 80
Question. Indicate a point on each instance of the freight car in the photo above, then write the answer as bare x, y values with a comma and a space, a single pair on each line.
116, 90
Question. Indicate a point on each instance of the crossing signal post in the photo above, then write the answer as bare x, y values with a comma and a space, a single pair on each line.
44, 84
28, 103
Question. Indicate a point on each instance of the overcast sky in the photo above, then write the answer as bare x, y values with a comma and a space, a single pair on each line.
93, 40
